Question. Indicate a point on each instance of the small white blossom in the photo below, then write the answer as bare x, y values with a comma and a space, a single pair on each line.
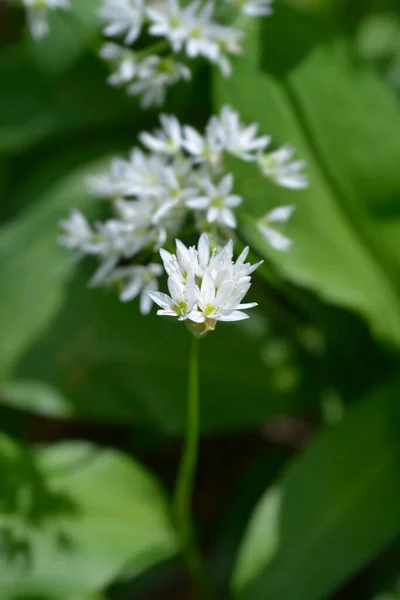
181, 301
154, 76
77, 231
123, 17
275, 238
207, 148
167, 140
253, 8
193, 29
218, 202
205, 285
143, 174
123, 62
135, 280
176, 193
168, 20
240, 140
109, 185
36, 11
279, 167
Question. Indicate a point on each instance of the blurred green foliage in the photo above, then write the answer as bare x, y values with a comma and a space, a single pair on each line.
316, 366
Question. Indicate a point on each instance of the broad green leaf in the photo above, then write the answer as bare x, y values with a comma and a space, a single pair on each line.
33, 268
72, 518
34, 396
334, 509
335, 252
36, 105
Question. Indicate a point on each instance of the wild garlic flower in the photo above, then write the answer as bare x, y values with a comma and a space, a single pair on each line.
193, 29
238, 139
205, 285
279, 167
218, 201
135, 280
76, 231
265, 226
36, 12
154, 76
123, 17
167, 140
253, 8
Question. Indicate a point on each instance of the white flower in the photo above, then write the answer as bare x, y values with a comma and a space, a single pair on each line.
206, 286
168, 20
123, 61
279, 167
167, 140
222, 303
240, 140
109, 185
218, 202
137, 279
36, 11
123, 17
143, 174
176, 193
193, 29
77, 231
276, 239
253, 8
154, 76
181, 301
207, 148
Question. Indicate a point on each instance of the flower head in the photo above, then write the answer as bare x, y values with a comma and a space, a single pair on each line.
205, 285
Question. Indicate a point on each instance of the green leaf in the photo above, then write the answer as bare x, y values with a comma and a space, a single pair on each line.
346, 225
73, 517
33, 268
34, 396
334, 509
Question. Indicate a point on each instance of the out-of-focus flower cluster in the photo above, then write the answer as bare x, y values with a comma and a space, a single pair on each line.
180, 32
178, 181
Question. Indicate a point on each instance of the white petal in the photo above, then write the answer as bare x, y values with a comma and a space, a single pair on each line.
131, 290
161, 299
235, 315
204, 249
276, 239
280, 214
200, 203
228, 218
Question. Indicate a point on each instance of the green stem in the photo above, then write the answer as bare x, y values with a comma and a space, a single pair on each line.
186, 475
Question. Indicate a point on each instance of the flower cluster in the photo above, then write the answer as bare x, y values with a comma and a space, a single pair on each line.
36, 12
205, 285
178, 180
189, 31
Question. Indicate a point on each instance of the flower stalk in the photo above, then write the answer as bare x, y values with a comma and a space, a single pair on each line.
186, 476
